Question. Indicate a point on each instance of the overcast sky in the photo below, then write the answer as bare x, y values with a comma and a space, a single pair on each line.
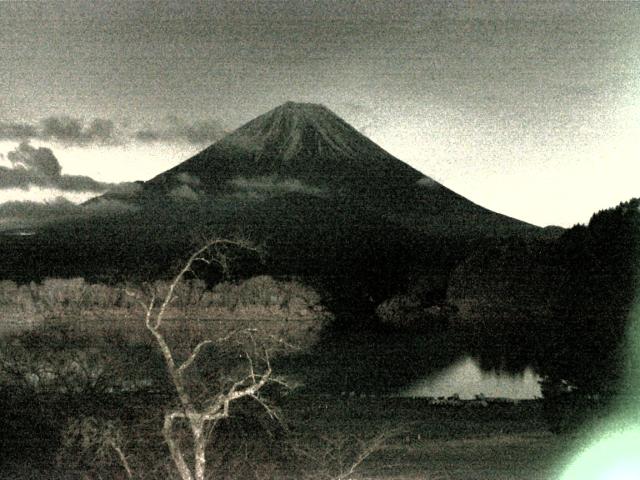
530, 109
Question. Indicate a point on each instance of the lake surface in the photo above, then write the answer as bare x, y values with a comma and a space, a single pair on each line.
497, 363
466, 379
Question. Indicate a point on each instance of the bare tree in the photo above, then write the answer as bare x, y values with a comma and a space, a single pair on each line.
97, 440
201, 415
340, 456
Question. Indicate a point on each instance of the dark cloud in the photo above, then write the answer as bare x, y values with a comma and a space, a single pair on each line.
39, 167
63, 129
427, 182
188, 179
75, 131
26, 215
72, 130
147, 135
202, 132
175, 129
81, 183
27, 210
103, 205
127, 189
260, 187
17, 131
39, 161
184, 193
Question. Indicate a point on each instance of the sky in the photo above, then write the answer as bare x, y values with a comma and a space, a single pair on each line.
531, 109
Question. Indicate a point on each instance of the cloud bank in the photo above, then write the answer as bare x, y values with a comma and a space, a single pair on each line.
30, 214
31, 166
34, 190
174, 129
100, 131
265, 186
72, 130
63, 129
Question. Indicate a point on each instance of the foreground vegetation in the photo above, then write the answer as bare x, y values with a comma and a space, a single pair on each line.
86, 383
80, 394
316, 438
84, 392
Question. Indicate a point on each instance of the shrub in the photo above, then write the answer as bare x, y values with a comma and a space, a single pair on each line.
262, 291
409, 312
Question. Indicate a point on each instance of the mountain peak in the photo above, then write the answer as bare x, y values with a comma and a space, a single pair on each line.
299, 132
302, 157
306, 141
306, 110
291, 106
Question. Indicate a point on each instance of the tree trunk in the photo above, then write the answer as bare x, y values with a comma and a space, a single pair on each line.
199, 446
174, 449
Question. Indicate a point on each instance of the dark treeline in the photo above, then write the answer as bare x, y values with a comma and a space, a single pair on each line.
601, 262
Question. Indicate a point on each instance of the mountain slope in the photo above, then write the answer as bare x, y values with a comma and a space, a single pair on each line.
304, 141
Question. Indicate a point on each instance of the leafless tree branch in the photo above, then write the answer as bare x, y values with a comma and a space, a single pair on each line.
216, 408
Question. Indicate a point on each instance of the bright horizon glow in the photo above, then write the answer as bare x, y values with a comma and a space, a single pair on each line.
43, 195
538, 196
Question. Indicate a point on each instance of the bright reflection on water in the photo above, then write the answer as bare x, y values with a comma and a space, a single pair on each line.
467, 379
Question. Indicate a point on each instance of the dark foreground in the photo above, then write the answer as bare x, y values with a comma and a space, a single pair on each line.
317, 437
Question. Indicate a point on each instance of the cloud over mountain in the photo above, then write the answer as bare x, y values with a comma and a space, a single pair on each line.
175, 129
72, 130
263, 186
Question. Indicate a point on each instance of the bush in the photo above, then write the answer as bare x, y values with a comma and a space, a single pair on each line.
16, 297
65, 292
261, 291
409, 312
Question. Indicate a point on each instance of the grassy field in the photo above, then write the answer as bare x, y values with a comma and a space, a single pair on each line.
420, 441
508, 441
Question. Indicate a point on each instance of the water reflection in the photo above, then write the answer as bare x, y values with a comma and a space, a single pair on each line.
466, 379
466, 362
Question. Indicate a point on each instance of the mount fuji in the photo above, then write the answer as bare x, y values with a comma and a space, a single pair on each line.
327, 203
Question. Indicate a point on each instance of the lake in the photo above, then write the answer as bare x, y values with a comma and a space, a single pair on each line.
496, 363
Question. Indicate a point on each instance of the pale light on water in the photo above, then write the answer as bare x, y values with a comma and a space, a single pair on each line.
467, 379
